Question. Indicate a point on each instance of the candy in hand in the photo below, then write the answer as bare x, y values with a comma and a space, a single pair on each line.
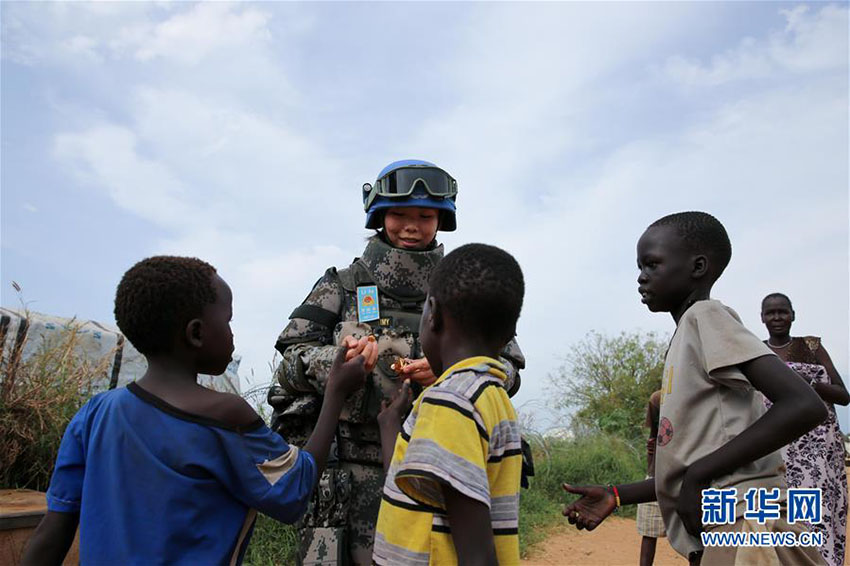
398, 364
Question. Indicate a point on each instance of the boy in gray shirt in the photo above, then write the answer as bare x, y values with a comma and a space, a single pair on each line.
713, 430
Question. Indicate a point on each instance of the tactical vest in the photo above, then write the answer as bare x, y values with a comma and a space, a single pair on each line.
396, 330
401, 277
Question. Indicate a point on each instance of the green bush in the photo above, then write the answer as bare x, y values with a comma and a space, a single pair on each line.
606, 381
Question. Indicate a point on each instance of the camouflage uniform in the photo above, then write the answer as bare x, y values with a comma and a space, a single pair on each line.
347, 500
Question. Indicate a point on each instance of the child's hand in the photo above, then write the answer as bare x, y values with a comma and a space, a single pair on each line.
356, 347
591, 509
346, 377
396, 409
419, 371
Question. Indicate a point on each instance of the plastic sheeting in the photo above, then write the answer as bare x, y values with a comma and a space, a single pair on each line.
96, 341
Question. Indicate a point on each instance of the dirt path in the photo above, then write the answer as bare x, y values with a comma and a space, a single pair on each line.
612, 543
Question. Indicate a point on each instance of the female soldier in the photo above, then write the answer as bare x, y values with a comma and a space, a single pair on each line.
380, 295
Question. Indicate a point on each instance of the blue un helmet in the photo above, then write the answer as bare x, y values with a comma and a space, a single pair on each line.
411, 182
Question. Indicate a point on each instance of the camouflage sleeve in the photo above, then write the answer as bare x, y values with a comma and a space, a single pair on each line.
307, 342
514, 361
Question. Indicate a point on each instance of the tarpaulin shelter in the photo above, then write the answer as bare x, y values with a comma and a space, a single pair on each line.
27, 331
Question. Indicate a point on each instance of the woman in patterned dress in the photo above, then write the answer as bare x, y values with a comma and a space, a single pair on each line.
816, 459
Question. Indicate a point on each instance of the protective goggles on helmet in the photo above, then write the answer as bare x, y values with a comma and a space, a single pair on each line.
402, 182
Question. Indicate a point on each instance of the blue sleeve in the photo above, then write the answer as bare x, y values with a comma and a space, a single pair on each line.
66, 486
268, 474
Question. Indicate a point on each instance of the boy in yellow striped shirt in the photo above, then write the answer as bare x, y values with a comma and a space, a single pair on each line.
453, 467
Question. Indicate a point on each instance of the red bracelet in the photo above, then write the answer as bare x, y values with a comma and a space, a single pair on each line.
613, 490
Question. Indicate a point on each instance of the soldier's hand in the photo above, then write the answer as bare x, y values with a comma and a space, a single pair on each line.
356, 348
419, 371
346, 377
398, 407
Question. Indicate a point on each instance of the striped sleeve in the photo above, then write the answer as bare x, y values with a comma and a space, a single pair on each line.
449, 445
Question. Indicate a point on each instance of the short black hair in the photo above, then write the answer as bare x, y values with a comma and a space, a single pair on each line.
481, 287
776, 296
702, 234
160, 295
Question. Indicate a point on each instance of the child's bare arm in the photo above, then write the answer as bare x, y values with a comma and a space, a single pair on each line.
389, 422
796, 410
597, 502
344, 378
472, 531
51, 540
834, 391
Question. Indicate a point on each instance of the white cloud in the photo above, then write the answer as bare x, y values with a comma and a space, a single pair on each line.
188, 155
810, 42
60, 32
227, 185
185, 34
187, 37
82, 46
527, 85
193, 131
813, 42
107, 155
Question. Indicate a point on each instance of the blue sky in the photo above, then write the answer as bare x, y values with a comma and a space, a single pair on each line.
241, 133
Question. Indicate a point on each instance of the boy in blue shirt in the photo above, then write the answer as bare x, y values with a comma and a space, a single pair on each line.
166, 471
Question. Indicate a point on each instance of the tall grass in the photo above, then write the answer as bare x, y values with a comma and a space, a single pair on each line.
273, 543
599, 459
38, 398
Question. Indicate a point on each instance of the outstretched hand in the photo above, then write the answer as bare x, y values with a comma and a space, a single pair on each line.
591, 509
348, 373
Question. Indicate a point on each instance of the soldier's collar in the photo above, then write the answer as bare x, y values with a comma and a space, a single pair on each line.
401, 272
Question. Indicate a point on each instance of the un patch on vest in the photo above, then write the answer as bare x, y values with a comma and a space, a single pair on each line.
367, 303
